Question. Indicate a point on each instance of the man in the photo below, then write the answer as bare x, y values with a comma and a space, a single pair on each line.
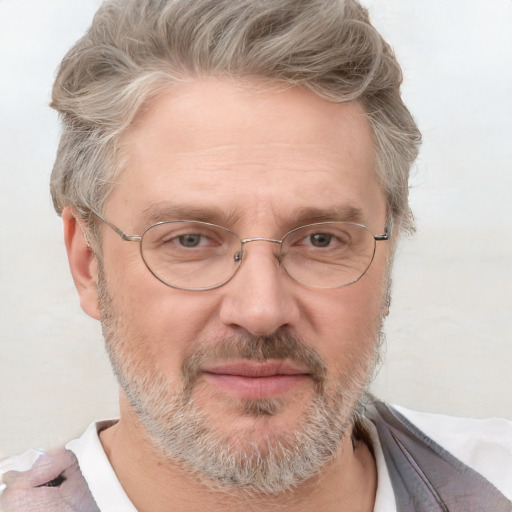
232, 178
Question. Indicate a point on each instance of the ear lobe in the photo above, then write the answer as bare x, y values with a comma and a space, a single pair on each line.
82, 262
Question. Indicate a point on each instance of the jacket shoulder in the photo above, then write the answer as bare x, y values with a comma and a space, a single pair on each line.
483, 444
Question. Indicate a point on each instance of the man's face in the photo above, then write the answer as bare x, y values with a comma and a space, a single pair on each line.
263, 367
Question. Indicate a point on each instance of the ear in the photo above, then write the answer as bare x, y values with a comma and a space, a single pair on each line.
82, 262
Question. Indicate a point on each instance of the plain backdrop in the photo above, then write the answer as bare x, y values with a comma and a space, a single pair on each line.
449, 345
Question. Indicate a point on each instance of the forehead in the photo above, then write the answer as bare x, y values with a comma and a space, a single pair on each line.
243, 150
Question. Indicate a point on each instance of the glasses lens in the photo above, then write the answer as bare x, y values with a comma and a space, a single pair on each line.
190, 255
328, 255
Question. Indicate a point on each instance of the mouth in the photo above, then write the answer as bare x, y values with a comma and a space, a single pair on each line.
255, 380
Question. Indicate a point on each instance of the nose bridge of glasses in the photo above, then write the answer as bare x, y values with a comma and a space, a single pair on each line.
244, 241
260, 239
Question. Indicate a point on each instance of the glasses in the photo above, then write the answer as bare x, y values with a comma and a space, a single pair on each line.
193, 255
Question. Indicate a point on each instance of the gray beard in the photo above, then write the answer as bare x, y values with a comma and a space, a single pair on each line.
181, 431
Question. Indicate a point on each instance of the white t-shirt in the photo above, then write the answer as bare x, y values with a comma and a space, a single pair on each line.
484, 445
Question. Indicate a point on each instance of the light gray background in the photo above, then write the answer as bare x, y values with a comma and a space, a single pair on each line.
449, 337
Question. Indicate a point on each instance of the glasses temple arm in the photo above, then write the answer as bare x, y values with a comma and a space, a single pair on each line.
122, 234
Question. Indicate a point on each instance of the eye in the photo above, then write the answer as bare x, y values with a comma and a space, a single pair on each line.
183, 239
332, 239
190, 240
320, 239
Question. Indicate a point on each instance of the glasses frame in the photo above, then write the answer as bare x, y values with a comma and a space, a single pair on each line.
238, 256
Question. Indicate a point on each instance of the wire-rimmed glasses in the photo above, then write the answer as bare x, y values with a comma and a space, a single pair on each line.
194, 255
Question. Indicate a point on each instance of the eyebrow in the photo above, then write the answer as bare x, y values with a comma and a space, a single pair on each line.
164, 211
345, 213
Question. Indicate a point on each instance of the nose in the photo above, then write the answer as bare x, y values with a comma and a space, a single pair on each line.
261, 297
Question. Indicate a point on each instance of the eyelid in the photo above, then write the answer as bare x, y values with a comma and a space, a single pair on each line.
319, 227
332, 235
169, 231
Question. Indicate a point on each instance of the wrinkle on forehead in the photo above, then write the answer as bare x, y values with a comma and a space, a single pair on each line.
224, 111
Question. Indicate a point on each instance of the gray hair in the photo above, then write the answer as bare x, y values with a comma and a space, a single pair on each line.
135, 49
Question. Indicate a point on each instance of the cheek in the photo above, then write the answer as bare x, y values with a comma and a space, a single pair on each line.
347, 321
166, 321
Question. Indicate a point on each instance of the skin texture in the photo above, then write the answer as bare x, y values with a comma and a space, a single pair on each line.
260, 162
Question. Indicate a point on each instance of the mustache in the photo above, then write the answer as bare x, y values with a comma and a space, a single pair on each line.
277, 346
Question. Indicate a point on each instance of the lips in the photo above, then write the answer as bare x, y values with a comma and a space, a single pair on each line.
253, 380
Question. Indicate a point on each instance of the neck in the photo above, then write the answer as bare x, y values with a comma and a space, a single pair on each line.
155, 484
